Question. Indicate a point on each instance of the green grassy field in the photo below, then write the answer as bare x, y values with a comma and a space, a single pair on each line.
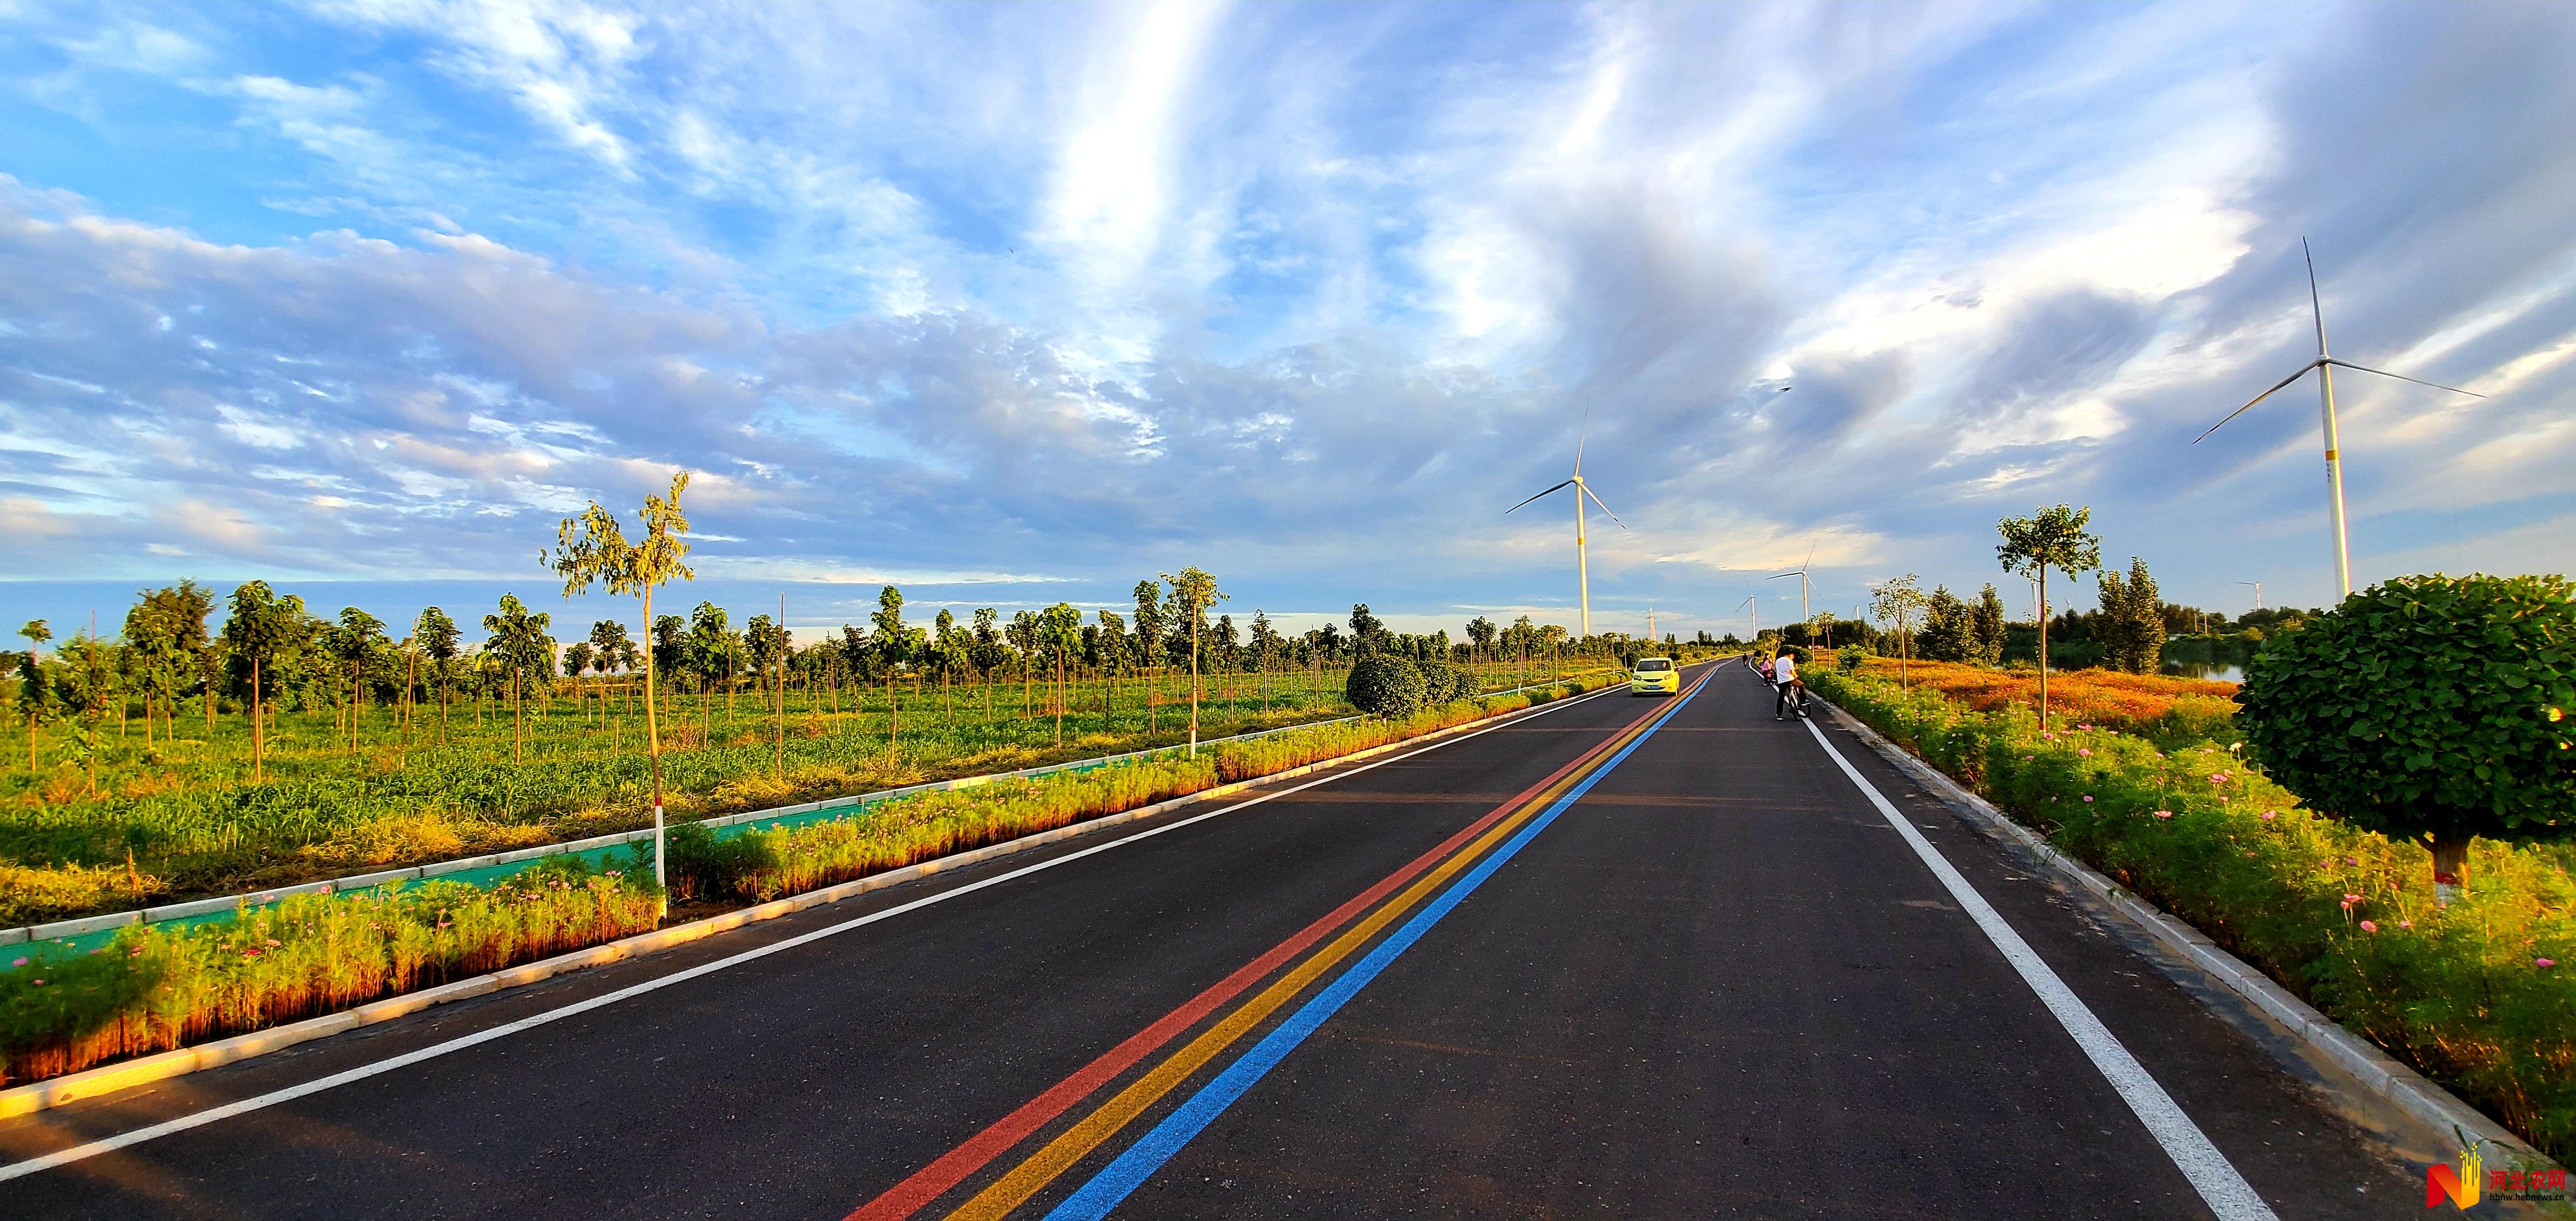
176, 812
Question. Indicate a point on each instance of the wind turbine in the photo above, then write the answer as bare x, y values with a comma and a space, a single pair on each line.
2325, 367
1582, 565
2258, 592
1804, 585
1750, 601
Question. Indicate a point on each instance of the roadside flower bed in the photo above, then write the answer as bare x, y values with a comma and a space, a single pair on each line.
2179, 710
158, 987
2474, 996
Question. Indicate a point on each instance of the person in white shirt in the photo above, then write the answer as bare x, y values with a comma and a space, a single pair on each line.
1784, 675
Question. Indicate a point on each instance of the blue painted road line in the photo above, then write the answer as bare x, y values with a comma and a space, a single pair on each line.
1123, 1176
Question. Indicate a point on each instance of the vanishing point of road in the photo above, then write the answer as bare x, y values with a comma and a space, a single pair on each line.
1614, 957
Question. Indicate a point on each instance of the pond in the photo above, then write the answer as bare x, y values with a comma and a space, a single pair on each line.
2221, 672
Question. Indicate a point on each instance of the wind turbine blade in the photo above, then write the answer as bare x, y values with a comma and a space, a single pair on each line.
2204, 433
2402, 377
2314, 306
1596, 499
1507, 512
1811, 558
1791, 573
1582, 435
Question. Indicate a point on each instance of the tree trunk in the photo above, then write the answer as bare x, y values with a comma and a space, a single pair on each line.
2043, 647
258, 734
2450, 866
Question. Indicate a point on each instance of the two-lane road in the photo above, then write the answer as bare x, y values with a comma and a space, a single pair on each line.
1618, 957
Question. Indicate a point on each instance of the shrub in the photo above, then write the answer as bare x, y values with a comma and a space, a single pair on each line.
2324, 908
1385, 686
2428, 708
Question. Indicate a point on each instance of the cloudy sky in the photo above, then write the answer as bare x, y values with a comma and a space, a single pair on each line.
1016, 303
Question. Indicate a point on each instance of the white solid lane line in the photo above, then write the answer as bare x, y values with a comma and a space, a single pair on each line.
2220, 1186
199, 1119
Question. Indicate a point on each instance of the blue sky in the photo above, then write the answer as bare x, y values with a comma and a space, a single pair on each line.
1016, 303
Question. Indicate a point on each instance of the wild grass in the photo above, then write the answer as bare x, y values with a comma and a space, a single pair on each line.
155, 987
2474, 995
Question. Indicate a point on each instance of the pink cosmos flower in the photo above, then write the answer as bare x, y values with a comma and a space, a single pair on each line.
2542, 963
2269, 815
2352, 860
2347, 905
2405, 924
2085, 751
2088, 798
2164, 813
19, 963
2369, 926
2350, 898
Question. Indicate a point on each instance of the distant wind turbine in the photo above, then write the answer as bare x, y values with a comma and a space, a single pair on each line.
1582, 564
2258, 592
2325, 367
1750, 601
1804, 585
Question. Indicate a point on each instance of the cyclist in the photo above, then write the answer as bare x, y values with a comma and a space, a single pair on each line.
1784, 675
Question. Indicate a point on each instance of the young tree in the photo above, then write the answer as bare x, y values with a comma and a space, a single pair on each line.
518, 640
1266, 645
893, 644
1059, 641
352, 642
991, 651
1898, 601
766, 645
2049, 538
2428, 708
1114, 648
261, 632
438, 636
1193, 592
593, 548
31, 683
1987, 621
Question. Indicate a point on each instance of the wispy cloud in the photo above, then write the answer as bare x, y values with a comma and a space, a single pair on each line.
1060, 296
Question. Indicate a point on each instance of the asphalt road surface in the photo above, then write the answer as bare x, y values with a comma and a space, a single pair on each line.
1622, 957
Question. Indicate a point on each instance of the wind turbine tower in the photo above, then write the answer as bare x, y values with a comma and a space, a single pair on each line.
2258, 592
1804, 586
2325, 366
1582, 562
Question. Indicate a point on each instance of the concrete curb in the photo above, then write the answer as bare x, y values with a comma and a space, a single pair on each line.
90, 1083
2368, 1064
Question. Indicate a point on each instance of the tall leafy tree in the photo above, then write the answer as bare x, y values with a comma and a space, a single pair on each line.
710, 652
2132, 627
1366, 629
2050, 538
1193, 592
1266, 646
438, 639
1986, 620
1949, 627
167, 629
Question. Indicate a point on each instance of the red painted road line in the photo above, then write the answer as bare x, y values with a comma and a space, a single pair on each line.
958, 1164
